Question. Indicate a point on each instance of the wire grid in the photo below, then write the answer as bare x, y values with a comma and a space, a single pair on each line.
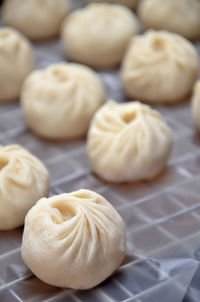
162, 216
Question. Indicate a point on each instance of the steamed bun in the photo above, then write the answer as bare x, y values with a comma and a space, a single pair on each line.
73, 240
23, 180
159, 67
59, 102
128, 142
180, 16
16, 62
196, 104
129, 3
36, 19
98, 34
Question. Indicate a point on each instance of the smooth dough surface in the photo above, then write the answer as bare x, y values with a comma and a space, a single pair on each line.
73, 240
180, 16
98, 34
59, 102
16, 62
129, 3
128, 142
36, 19
23, 180
159, 67
196, 104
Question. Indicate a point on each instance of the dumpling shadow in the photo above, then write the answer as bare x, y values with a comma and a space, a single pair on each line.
195, 138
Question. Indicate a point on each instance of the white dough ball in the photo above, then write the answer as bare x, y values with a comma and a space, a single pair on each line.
59, 102
73, 240
36, 19
129, 3
23, 180
16, 62
160, 67
128, 142
196, 105
180, 16
98, 34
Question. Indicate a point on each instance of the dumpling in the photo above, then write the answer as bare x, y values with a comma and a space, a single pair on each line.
73, 240
23, 180
160, 67
128, 142
59, 101
129, 3
180, 16
98, 34
36, 19
16, 62
196, 104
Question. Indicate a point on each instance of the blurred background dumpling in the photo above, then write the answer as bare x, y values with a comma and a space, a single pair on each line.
16, 62
129, 3
36, 19
98, 34
179, 16
59, 101
196, 104
160, 67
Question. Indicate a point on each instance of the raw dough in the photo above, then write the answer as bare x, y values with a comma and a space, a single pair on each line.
36, 19
98, 34
59, 102
180, 16
73, 240
128, 142
23, 180
160, 67
196, 104
16, 62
